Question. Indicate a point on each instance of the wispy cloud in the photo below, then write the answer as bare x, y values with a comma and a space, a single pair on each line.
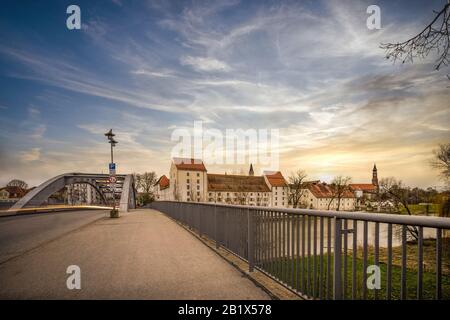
204, 64
33, 154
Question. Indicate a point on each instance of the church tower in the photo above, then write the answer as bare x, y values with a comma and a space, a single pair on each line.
250, 172
375, 175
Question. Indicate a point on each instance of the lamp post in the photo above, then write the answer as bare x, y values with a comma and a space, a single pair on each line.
112, 169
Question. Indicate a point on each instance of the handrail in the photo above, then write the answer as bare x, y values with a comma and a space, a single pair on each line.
420, 221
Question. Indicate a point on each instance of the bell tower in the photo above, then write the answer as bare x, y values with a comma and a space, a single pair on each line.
375, 175
250, 172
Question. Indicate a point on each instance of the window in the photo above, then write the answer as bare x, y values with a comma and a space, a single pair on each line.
187, 187
188, 194
187, 174
198, 187
198, 174
198, 193
187, 180
198, 180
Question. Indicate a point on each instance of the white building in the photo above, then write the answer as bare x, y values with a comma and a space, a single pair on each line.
188, 180
320, 196
82, 193
279, 189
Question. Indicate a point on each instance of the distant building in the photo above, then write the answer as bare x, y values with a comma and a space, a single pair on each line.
238, 189
162, 189
366, 192
279, 189
82, 193
12, 193
188, 180
320, 196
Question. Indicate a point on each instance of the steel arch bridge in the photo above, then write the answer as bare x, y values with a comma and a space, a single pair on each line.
124, 186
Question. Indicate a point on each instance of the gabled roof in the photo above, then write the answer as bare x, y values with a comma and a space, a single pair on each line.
189, 164
163, 182
236, 183
276, 179
323, 190
367, 187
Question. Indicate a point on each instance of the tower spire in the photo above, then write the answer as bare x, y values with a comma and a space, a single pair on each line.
251, 172
375, 175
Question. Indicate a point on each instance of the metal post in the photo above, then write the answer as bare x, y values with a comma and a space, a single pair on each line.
216, 228
251, 249
112, 157
337, 286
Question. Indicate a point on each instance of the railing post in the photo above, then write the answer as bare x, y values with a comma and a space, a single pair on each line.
200, 214
216, 227
337, 285
251, 238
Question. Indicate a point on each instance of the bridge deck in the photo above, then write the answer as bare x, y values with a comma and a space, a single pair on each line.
142, 255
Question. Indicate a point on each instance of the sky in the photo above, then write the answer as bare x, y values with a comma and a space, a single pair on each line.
311, 69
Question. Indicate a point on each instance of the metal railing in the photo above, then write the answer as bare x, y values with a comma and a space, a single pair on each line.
330, 254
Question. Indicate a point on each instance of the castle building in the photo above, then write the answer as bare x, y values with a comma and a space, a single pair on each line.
190, 181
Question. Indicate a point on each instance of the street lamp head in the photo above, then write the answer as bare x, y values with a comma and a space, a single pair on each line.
113, 142
110, 134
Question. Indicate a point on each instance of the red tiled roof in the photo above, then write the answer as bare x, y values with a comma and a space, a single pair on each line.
322, 190
189, 164
368, 187
163, 182
236, 183
276, 179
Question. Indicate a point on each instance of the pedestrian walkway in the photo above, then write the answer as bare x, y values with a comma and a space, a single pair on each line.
142, 255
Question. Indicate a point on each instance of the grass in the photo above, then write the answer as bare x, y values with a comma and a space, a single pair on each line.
282, 269
417, 209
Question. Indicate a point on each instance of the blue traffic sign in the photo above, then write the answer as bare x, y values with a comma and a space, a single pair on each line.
112, 166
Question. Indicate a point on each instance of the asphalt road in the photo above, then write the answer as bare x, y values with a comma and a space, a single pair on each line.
19, 234
141, 255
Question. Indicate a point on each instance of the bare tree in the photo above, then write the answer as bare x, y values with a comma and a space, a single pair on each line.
434, 37
296, 187
18, 183
339, 187
441, 161
145, 183
393, 190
